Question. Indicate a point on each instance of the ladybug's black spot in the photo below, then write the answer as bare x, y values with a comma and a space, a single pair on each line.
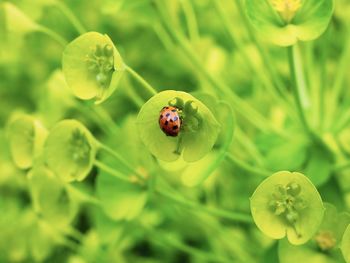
166, 122
168, 114
161, 116
166, 108
174, 110
175, 127
171, 120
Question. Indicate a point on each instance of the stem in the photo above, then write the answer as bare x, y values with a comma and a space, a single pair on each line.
53, 35
235, 216
118, 157
190, 19
299, 86
163, 240
71, 17
141, 80
111, 171
247, 167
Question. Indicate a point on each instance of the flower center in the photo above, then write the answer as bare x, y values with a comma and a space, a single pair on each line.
286, 8
79, 147
287, 202
100, 62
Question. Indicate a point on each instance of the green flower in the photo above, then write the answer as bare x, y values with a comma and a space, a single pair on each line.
92, 66
198, 132
287, 204
284, 22
70, 150
26, 136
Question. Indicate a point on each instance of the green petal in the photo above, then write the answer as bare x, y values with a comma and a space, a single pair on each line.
26, 138
276, 226
345, 244
70, 150
195, 144
310, 21
83, 82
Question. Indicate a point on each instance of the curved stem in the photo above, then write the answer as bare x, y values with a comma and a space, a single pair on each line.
71, 17
119, 158
247, 167
111, 171
235, 216
52, 34
141, 80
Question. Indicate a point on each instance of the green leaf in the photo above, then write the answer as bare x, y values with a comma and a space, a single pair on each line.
345, 244
298, 219
194, 145
285, 28
92, 66
26, 136
70, 150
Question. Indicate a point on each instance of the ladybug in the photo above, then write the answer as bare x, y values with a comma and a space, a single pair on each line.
170, 121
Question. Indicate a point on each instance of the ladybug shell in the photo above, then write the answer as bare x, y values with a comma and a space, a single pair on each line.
169, 121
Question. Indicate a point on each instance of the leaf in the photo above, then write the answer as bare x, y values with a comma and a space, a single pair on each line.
276, 225
195, 145
87, 79
308, 22
70, 150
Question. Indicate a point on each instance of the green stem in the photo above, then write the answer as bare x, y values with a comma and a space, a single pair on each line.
169, 240
71, 17
190, 19
299, 87
53, 35
111, 171
119, 158
234, 216
141, 80
247, 167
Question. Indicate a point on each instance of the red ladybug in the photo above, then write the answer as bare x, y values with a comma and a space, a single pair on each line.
170, 121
